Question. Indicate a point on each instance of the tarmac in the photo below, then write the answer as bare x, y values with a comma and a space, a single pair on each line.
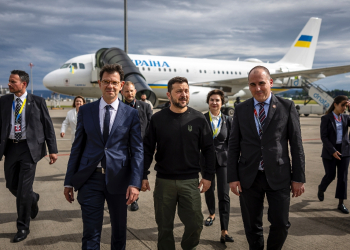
314, 224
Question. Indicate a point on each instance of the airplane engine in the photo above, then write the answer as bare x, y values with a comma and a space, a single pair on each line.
131, 72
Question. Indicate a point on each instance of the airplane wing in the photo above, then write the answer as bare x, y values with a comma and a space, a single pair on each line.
308, 73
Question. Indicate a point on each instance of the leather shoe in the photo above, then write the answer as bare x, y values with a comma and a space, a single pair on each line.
320, 195
226, 238
134, 206
209, 221
343, 208
21, 235
35, 208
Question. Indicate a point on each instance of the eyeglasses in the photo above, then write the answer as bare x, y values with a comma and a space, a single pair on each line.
106, 83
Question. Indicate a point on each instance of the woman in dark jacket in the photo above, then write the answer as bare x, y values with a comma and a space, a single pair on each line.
221, 127
336, 150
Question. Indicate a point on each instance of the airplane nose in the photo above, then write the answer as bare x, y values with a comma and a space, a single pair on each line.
48, 80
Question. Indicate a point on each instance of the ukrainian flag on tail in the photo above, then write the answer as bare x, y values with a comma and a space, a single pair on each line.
304, 41
72, 69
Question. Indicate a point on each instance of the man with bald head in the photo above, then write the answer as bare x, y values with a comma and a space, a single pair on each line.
259, 163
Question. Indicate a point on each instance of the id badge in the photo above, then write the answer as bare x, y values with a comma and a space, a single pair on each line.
18, 128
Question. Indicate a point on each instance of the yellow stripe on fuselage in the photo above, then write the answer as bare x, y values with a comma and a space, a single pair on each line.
158, 87
302, 44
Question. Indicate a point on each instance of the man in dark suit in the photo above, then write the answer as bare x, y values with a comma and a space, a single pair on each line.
25, 125
106, 161
145, 114
259, 162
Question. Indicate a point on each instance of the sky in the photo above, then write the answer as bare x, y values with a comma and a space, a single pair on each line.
48, 33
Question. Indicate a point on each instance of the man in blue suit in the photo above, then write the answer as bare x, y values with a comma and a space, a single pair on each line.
106, 161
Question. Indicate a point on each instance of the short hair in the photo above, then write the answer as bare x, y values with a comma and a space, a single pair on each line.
262, 68
216, 92
127, 83
112, 68
176, 79
22, 75
78, 96
143, 94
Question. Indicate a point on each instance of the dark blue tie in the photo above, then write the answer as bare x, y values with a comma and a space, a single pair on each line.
262, 116
106, 124
106, 132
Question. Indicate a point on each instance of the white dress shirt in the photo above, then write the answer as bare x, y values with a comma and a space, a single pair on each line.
71, 119
339, 126
102, 111
23, 116
215, 120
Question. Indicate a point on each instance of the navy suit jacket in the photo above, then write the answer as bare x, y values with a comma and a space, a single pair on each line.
123, 149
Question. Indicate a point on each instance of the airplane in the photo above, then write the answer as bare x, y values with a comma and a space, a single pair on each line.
79, 75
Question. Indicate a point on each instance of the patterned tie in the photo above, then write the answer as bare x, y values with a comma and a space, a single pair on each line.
262, 117
18, 135
106, 132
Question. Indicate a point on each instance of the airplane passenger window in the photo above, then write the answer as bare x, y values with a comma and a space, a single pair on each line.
218, 72
205, 71
149, 69
169, 70
240, 72
143, 68
75, 65
164, 69
81, 65
174, 70
226, 72
214, 71
231, 73
236, 72
200, 71
223, 72
65, 65
160, 69
187, 70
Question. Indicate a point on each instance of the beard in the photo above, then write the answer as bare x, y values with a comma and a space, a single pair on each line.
176, 103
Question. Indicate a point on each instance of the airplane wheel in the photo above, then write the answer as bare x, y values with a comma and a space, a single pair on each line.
306, 114
228, 111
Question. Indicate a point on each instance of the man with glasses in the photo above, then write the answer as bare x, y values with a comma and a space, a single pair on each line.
106, 161
25, 125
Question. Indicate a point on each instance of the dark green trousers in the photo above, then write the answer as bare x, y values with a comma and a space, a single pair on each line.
186, 195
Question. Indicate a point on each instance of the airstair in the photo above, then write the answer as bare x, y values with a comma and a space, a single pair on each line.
317, 93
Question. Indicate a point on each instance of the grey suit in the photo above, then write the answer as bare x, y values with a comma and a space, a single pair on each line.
245, 150
21, 158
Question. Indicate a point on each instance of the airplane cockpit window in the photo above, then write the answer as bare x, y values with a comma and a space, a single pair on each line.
65, 65
75, 65
81, 65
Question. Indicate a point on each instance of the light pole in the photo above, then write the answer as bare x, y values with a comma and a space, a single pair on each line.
31, 76
125, 27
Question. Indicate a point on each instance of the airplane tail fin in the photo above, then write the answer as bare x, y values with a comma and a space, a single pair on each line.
304, 47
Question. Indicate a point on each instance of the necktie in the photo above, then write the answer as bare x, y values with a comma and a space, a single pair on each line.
262, 116
106, 132
106, 123
18, 134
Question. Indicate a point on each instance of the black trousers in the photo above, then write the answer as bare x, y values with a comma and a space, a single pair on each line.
91, 197
19, 174
330, 167
252, 206
223, 197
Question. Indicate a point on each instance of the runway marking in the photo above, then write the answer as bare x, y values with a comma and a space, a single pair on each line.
318, 139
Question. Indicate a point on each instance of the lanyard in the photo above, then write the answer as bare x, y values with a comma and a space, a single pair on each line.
257, 118
337, 119
215, 130
20, 111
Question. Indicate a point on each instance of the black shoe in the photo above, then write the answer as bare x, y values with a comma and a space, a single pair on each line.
21, 235
35, 208
343, 208
227, 238
209, 221
134, 206
320, 194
